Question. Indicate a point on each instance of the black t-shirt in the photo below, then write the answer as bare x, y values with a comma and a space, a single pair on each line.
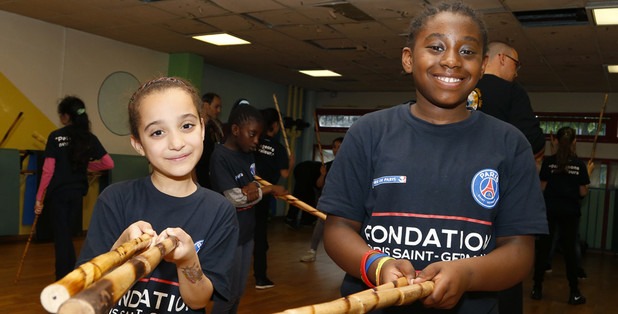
562, 190
509, 102
65, 177
232, 169
270, 158
213, 134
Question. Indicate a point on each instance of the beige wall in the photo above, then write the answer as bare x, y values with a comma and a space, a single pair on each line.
47, 62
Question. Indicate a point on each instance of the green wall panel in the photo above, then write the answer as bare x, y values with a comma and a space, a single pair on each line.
128, 167
9, 191
188, 66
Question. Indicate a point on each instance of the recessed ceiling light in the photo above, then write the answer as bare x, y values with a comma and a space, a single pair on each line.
612, 68
605, 16
320, 73
221, 39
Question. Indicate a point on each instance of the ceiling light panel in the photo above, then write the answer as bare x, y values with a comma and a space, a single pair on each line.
221, 39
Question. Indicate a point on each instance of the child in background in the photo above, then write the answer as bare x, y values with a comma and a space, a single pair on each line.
318, 229
271, 163
232, 171
564, 181
70, 153
166, 128
436, 188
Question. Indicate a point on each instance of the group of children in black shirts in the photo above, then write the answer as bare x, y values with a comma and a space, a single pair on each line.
426, 190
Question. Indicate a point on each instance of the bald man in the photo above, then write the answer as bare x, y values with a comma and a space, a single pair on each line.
506, 100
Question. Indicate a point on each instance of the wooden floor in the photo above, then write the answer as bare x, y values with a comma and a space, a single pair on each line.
298, 284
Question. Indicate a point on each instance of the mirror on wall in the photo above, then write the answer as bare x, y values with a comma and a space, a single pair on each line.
114, 95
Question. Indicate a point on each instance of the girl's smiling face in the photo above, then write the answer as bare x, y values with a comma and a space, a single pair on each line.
170, 133
446, 60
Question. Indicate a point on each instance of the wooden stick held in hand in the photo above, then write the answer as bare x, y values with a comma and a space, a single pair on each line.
295, 201
86, 274
101, 296
395, 293
23, 256
596, 136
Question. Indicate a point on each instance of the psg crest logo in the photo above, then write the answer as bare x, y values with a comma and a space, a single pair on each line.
485, 188
474, 101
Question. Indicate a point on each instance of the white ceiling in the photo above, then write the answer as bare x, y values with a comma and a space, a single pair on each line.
288, 35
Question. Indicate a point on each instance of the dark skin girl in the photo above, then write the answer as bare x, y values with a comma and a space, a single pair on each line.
446, 61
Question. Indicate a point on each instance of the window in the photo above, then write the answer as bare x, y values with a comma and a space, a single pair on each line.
585, 124
338, 120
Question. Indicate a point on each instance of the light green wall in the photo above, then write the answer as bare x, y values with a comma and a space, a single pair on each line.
188, 66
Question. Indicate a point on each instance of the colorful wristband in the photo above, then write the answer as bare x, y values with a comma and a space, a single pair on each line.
363, 264
379, 268
372, 259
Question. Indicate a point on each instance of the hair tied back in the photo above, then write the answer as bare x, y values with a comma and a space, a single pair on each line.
81, 111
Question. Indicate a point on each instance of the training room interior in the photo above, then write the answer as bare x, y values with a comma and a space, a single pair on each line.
101, 50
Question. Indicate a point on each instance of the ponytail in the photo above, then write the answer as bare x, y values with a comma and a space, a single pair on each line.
78, 131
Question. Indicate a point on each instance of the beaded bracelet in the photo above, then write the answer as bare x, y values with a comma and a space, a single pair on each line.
363, 265
379, 268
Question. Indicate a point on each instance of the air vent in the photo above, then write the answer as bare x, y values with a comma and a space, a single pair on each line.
333, 45
347, 10
559, 17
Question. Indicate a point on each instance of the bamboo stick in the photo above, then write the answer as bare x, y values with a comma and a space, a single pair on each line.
86, 274
10, 129
101, 296
290, 199
317, 136
23, 256
39, 138
369, 300
285, 136
596, 136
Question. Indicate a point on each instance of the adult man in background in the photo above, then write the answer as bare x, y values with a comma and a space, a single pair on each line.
506, 100
213, 134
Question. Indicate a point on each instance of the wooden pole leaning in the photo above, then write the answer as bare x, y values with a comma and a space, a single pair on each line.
23, 256
285, 136
39, 138
101, 296
596, 136
292, 200
395, 293
86, 274
317, 136
10, 129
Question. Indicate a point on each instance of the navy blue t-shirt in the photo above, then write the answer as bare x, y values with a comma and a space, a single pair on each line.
429, 193
205, 215
233, 169
270, 158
